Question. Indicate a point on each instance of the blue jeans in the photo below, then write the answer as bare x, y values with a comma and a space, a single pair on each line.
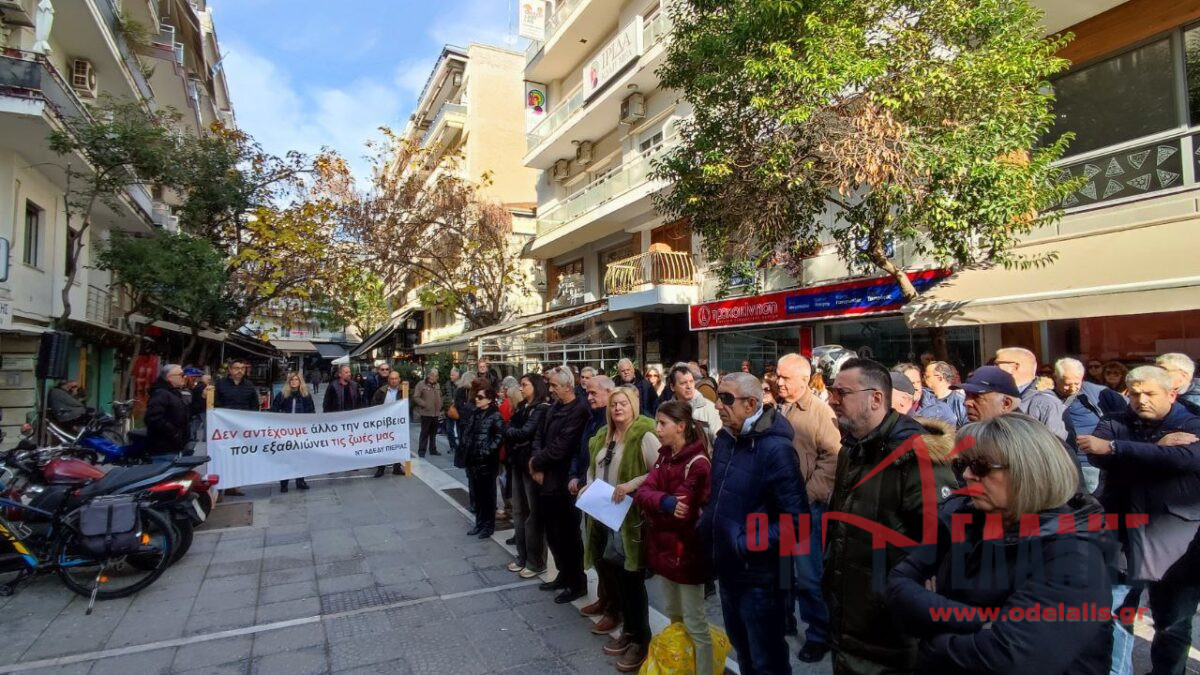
754, 618
807, 595
1123, 640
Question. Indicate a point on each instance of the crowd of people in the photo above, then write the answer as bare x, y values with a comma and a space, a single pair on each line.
859, 452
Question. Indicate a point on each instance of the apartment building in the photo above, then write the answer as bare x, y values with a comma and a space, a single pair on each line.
468, 122
57, 58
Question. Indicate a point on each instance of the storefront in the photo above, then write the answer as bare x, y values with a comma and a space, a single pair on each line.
862, 315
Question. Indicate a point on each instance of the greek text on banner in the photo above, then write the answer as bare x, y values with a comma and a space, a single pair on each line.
247, 448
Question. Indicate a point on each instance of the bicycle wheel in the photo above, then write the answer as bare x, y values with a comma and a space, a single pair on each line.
78, 570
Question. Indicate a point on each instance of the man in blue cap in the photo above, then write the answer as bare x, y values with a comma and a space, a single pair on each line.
991, 392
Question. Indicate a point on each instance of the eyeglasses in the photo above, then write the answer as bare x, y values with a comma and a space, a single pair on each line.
480, 397
728, 398
1006, 363
843, 393
979, 466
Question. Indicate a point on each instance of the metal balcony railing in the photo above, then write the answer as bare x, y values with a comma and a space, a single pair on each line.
631, 175
652, 33
451, 108
111, 12
102, 308
653, 268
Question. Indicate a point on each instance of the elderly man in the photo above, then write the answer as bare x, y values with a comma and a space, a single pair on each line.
607, 603
874, 486
389, 393
626, 375
1042, 406
375, 381
484, 369
427, 404
754, 472
167, 413
1151, 461
555, 445
586, 374
926, 406
682, 379
939, 382
1087, 403
1182, 371
816, 440
64, 407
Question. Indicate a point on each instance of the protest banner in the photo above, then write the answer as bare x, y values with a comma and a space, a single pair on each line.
247, 448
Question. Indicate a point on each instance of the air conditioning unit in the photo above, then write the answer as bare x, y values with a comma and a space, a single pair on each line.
633, 108
83, 78
583, 153
179, 53
166, 34
562, 170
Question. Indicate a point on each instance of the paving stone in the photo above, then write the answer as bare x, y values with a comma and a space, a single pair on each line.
290, 535
311, 661
544, 666
212, 602
571, 638
589, 661
414, 590
148, 663
297, 550
291, 609
238, 584
474, 604
353, 582
436, 658
367, 597
525, 595
415, 616
141, 627
228, 569
243, 667
343, 627
342, 568
212, 653
395, 667
73, 669
212, 622
234, 554
458, 583
284, 592
397, 576
289, 576
287, 639
546, 614
365, 650
285, 563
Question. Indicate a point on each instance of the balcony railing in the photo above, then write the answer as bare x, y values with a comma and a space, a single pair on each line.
1134, 169
111, 12
652, 33
29, 74
102, 308
629, 176
452, 108
553, 23
654, 267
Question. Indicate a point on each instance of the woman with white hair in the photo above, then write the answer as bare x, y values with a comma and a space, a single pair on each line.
1016, 539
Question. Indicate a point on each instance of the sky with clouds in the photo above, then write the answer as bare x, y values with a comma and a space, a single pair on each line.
310, 73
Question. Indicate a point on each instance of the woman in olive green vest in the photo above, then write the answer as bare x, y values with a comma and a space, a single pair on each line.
621, 455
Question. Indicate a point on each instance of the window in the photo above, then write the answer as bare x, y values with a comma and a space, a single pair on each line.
650, 142
1191, 48
33, 234
1119, 99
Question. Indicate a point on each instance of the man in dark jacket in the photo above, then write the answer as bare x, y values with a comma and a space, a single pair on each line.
236, 392
863, 637
1042, 406
1151, 462
375, 381
1087, 403
483, 369
166, 413
754, 470
555, 445
1182, 370
342, 393
626, 375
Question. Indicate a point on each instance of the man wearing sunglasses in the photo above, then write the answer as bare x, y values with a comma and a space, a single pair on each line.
863, 636
754, 471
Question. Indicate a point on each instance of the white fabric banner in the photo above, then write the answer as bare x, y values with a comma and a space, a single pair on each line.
248, 448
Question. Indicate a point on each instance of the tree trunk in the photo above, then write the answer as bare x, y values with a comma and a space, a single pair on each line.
937, 334
191, 345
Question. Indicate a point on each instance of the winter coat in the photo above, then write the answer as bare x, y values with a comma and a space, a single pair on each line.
335, 397
241, 396
482, 439
632, 466
1190, 399
426, 399
449, 389
371, 384
380, 396
293, 404
705, 412
1044, 406
597, 420
557, 442
931, 406
1162, 482
166, 419
754, 472
521, 429
817, 441
894, 499
672, 545
646, 394
1086, 408
466, 408
1068, 568
199, 403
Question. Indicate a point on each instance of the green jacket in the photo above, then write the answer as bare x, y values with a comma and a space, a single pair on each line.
632, 466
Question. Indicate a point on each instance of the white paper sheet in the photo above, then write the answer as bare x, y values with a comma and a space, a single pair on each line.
596, 501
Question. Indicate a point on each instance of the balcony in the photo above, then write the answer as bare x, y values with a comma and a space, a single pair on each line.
649, 269
592, 118
553, 23
572, 33
450, 115
1134, 170
111, 13
102, 308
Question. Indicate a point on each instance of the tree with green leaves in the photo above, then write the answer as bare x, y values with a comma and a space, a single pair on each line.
872, 126
167, 276
355, 297
117, 146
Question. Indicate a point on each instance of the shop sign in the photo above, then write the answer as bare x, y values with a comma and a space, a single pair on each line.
624, 49
532, 20
536, 104
866, 296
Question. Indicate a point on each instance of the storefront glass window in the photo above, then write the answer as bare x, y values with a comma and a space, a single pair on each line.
759, 347
1136, 339
890, 341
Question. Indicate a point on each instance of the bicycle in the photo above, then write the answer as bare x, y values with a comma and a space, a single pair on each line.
53, 544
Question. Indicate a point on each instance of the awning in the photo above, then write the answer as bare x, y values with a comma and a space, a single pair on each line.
375, 339
576, 318
1133, 271
251, 345
329, 350
215, 336
525, 322
294, 346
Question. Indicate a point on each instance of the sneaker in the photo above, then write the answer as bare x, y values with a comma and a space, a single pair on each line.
631, 661
617, 646
812, 652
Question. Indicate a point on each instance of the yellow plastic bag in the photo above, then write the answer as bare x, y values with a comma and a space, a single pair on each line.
671, 652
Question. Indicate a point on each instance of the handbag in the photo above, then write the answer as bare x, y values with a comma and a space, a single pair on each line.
452, 412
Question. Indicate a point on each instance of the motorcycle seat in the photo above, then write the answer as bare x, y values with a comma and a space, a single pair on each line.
117, 479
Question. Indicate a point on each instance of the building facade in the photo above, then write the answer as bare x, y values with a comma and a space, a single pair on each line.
58, 58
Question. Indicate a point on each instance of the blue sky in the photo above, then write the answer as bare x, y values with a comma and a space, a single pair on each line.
308, 73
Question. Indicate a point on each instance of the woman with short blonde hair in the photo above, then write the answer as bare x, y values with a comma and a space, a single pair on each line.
293, 399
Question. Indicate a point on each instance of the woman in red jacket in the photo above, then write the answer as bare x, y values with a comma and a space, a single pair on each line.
671, 498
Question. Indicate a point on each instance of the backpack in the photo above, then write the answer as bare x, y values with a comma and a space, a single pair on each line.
109, 526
